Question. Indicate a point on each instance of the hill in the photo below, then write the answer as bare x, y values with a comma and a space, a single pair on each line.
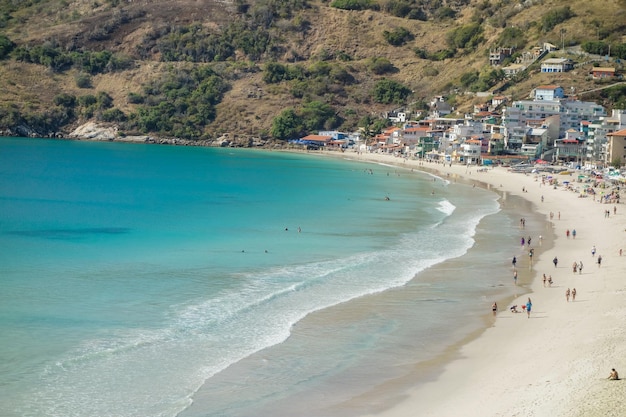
269, 68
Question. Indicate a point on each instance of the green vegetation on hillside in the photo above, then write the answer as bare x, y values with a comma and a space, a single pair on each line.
277, 67
314, 115
181, 103
56, 58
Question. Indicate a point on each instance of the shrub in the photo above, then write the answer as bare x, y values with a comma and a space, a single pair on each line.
467, 36
65, 100
351, 4
83, 80
113, 115
6, 46
398, 36
388, 91
554, 17
135, 98
380, 65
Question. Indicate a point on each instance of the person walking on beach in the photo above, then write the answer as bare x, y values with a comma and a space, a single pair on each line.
529, 305
514, 261
494, 308
555, 261
575, 267
515, 277
574, 234
593, 250
545, 279
599, 260
580, 268
567, 233
573, 294
550, 281
567, 293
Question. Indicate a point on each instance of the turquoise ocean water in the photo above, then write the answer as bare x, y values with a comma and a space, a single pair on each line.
143, 280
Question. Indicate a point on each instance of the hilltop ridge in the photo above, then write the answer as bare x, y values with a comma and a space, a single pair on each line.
199, 70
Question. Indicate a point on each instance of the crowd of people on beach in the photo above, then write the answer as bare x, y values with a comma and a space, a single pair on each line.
577, 266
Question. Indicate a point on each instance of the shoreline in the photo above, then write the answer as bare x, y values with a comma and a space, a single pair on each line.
380, 389
556, 362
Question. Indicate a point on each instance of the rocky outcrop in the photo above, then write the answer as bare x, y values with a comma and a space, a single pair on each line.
93, 131
101, 132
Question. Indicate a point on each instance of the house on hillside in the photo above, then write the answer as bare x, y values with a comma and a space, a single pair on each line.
441, 109
557, 65
480, 107
513, 69
602, 72
498, 101
397, 116
548, 93
548, 47
496, 56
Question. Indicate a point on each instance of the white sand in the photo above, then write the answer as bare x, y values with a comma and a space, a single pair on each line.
556, 362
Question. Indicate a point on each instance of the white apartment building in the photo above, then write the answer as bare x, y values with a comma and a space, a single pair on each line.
596, 134
571, 113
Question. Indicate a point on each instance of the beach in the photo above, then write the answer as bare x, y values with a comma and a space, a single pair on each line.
555, 361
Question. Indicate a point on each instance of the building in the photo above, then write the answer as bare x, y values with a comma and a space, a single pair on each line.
602, 72
469, 152
596, 134
549, 92
513, 69
569, 150
557, 65
616, 148
412, 135
571, 113
498, 101
397, 116
496, 56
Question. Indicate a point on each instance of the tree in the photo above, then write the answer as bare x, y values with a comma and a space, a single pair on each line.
388, 91
287, 125
317, 115
616, 163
